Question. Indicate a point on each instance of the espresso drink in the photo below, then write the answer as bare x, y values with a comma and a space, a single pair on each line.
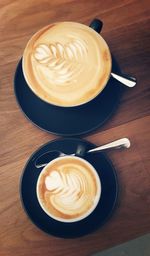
67, 64
68, 189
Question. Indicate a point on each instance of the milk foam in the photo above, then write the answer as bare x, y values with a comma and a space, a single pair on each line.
61, 63
66, 63
68, 189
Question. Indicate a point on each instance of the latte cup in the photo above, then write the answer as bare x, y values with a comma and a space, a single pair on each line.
67, 64
68, 189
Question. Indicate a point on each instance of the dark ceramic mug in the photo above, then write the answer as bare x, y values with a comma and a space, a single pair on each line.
101, 53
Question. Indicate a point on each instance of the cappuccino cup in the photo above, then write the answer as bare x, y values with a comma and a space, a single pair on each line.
67, 64
68, 189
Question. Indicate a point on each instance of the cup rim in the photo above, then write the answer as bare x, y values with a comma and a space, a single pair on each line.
45, 100
98, 196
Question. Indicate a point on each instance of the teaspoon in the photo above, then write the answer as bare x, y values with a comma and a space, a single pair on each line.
97, 25
45, 158
125, 79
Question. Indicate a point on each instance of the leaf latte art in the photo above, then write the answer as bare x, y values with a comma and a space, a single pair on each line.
66, 64
69, 193
68, 189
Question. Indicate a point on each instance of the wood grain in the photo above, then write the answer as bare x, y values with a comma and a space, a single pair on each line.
126, 29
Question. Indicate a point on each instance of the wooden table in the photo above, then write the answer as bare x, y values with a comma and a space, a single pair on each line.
126, 30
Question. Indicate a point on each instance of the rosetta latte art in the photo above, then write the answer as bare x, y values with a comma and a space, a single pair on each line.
64, 62
68, 191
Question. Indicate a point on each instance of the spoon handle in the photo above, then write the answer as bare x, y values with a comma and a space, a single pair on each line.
121, 143
125, 79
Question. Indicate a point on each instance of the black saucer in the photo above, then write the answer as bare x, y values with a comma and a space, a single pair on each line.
67, 121
102, 212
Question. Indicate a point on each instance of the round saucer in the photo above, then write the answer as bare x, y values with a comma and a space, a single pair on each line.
97, 218
67, 121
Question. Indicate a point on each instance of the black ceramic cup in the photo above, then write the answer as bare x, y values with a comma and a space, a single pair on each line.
96, 25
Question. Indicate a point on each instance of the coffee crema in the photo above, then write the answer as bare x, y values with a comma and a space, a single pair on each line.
66, 64
68, 189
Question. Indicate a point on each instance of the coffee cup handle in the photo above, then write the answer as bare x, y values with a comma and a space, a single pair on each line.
96, 25
81, 150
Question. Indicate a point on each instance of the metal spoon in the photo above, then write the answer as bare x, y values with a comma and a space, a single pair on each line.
125, 79
45, 158
97, 25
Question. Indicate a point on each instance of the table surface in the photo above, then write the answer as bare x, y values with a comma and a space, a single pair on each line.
126, 29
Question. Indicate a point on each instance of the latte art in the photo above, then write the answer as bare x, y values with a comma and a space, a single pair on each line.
62, 63
68, 189
66, 64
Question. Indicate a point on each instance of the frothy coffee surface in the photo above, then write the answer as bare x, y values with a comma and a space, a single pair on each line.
66, 63
68, 189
